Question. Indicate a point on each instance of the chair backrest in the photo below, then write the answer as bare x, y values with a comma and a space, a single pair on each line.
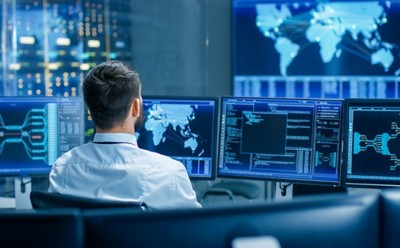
47, 200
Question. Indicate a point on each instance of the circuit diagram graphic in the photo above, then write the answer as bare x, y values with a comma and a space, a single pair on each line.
379, 144
37, 133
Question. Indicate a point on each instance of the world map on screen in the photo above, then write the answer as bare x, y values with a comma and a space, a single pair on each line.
177, 129
176, 116
327, 25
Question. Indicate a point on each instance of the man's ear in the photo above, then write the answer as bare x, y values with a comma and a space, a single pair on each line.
136, 107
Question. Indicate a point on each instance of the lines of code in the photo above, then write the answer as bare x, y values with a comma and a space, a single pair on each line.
280, 139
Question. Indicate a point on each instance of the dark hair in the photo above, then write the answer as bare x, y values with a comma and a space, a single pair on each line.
108, 90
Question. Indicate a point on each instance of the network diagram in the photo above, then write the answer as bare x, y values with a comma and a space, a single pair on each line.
379, 144
37, 133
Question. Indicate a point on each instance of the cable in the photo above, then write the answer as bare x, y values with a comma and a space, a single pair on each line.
283, 188
23, 188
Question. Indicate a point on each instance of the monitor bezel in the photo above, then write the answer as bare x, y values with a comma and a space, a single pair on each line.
214, 141
53, 99
350, 102
337, 183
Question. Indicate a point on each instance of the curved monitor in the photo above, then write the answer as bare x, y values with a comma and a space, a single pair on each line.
183, 128
35, 131
295, 140
390, 199
371, 145
326, 221
40, 228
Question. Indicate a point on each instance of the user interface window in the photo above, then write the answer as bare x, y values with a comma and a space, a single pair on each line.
280, 139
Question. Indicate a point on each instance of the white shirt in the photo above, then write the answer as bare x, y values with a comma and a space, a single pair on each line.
113, 167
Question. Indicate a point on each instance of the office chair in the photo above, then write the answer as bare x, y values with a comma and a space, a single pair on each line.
232, 189
46, 200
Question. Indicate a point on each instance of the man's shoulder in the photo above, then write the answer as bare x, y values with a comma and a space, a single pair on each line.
157, 156
73, 153
80, 148
161, 159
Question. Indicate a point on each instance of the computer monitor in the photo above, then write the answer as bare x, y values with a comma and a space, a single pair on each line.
35, 131
390, 217
324, 221
295, 140
183, 128
40, 228
326, 48
371, 143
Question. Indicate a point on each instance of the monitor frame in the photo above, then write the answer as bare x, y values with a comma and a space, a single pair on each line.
214, 139
390, 217
304, 222
42, 228
337, 183
41, 170
362, 102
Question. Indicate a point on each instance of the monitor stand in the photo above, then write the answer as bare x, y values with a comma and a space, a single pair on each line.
23, 187
303, 189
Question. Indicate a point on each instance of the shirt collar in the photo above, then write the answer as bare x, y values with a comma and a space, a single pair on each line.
115, 137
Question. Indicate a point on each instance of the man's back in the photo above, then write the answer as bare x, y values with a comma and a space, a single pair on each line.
114, 167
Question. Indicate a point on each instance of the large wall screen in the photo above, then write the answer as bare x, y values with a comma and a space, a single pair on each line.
316, 49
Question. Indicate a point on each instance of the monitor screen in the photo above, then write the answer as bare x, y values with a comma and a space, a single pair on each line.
390, 214
280, 139
371, 147
335, 220
41, 228
35, 131
327, 49
183, 128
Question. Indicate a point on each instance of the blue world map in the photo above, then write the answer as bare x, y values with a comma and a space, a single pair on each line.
328, 24
177, 116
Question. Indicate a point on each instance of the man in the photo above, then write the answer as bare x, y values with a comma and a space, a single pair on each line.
113, 166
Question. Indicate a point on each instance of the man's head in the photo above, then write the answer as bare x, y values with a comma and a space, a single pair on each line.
112, 92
